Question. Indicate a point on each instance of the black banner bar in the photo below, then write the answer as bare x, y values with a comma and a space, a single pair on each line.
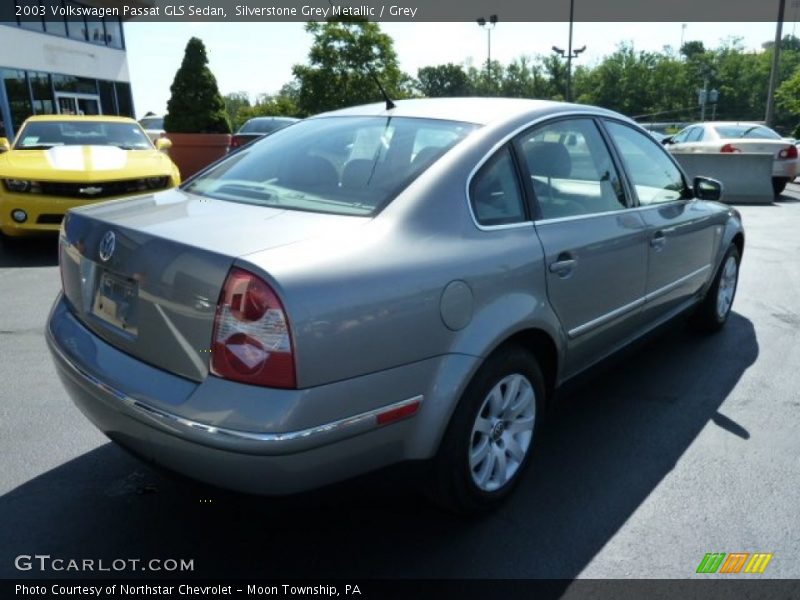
716, 588
397, 10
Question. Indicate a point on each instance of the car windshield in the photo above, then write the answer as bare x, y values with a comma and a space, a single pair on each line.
339, 165
265, 125
47, 134
746, 131
152, 122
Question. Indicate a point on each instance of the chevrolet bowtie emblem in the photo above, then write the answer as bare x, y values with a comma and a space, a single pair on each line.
91, 190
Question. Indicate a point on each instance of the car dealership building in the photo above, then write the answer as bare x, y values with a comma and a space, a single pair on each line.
70, 64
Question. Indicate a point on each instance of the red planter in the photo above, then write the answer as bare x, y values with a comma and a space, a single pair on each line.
194, 151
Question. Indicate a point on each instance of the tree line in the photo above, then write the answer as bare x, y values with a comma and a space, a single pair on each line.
348, 57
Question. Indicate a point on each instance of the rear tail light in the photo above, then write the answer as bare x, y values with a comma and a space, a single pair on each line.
235, 142
252, 341
788, 153
729, 148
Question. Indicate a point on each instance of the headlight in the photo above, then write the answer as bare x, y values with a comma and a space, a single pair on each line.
21, 185
156, 183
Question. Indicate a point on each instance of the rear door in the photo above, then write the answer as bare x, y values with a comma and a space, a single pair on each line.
682, 234
594, 243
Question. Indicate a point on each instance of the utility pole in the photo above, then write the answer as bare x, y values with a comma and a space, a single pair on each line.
776, 57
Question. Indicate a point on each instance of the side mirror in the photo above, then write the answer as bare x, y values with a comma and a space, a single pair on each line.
163, 144
706, 188
667, 140
4, 145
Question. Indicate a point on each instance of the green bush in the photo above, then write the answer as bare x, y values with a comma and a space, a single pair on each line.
196, 106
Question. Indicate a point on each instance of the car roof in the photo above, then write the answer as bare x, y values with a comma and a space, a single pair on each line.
481, 111
275, 118
84, 118
715, 123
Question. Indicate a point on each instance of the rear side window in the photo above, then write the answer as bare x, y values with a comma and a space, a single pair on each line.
653, 174
337, 165
571, 169
495, 193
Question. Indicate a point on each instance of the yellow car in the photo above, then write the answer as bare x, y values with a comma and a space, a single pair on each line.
59, 162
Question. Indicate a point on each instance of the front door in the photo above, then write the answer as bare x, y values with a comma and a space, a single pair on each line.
594, 243
683, 235
77, 104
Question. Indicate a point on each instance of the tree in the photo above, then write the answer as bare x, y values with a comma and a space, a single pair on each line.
443, 80
282, 104
236, 103
345, 58
195, 106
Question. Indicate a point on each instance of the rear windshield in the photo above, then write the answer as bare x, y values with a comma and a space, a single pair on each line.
46, 134
746, 131
339, 165
265, 125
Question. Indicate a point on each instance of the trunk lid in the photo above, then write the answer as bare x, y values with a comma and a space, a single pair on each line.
154, 293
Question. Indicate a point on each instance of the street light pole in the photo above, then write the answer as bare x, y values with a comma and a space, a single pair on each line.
569, 51
488, 25
773, 76
569, 54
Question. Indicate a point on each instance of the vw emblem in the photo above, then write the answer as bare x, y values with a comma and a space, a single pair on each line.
107, 246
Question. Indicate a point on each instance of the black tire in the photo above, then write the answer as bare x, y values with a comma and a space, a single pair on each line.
453, 480
708, 317
779, 184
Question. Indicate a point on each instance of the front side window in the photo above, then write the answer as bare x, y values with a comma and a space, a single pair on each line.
682, 136
495, 193
654, 176
571, 169
338, 165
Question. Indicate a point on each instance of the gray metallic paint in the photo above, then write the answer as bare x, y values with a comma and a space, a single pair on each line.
365, 299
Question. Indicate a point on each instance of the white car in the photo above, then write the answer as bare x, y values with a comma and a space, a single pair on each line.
728, 136
153, 126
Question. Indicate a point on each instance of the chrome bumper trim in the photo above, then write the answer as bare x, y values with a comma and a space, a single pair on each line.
249, 442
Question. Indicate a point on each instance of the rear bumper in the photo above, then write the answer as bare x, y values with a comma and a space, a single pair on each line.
247, 459
787, 169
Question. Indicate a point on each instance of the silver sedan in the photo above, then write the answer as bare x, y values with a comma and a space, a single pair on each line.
383, 284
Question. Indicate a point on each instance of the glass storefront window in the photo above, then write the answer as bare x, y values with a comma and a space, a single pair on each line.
107, 32
19, 100
76, 26
42, 93
68, 83
108, 103
124, 99
53, 24
96, 32
30, 8
114, 32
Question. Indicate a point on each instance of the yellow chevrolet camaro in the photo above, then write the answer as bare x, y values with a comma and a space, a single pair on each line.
58, 162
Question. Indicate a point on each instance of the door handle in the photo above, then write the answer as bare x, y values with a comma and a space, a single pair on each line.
564, 265
658, 240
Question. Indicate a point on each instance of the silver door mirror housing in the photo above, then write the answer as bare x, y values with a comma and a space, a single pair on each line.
706, 188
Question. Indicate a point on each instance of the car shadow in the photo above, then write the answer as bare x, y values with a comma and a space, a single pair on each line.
28, 252
609, 443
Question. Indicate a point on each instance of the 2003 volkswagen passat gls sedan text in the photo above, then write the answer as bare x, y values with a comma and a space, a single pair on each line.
378, 284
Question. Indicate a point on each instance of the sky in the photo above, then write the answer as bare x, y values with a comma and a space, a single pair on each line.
258, 57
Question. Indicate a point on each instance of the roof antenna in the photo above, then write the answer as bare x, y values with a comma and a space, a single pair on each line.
389, 104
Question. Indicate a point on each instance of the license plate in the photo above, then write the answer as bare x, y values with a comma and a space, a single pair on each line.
115, 302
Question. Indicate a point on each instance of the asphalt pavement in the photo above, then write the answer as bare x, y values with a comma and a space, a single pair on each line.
688, 444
